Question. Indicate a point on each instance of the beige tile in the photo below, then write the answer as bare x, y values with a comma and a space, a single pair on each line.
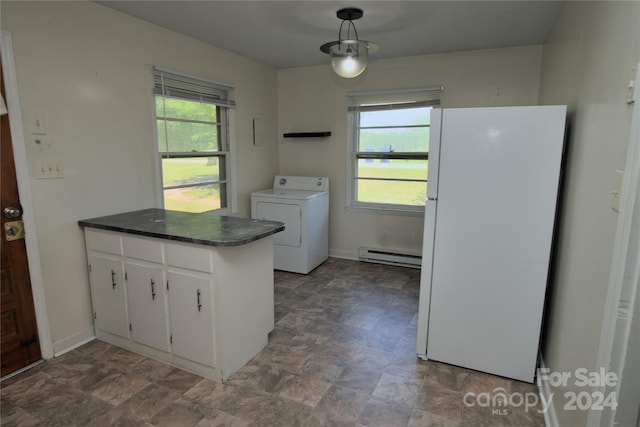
291, 358
118, 388
150, 370
222, 419
179, 413
342, 404
248, 403
337, 350
284, 412
371, 359
280, 336
363, 321
178, 380
360, 379
29, 385
376, 341
57, 404
440, 401
319, 417
378, 413
293, 321
322, 369
527, 417
307, 342
208, 392
478, 382
421, 418
99, 350
149, 401
125, 360
445, 376
407, 366
305, 390
83, 376
14, 416
486, 417
398, 391
269, 378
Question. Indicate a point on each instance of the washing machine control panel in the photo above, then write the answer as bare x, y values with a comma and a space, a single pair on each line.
308, 183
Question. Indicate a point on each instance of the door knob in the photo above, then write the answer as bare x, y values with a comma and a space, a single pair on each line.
11, 212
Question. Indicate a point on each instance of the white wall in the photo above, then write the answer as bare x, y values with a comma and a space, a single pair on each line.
587, 63
87, 68
314, 99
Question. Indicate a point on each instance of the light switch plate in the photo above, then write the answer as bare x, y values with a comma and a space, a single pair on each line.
49, 168
617, 188
258, 130
37, 123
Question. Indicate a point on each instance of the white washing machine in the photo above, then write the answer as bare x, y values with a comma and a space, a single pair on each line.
302, 204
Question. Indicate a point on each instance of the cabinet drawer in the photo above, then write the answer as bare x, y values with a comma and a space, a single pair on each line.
148, 250
188, 257
102, 242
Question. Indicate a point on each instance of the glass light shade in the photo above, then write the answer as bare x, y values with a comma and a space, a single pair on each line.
349, 59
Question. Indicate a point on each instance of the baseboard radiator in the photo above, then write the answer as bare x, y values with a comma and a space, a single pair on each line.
390, 257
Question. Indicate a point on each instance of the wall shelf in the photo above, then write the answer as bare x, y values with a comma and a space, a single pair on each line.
306, 134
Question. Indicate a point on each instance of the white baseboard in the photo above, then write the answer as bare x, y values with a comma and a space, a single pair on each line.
550, 418
74, 341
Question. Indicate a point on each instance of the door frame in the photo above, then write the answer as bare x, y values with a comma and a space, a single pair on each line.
24, 191
625, 265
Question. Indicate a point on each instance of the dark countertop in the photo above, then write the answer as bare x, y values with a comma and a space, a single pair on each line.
202, 229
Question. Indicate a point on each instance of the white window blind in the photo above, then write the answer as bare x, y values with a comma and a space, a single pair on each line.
395, 100
389, 148
172, 84
194, 142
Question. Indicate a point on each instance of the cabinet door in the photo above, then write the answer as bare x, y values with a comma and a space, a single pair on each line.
147, 305
191, 317
108, 295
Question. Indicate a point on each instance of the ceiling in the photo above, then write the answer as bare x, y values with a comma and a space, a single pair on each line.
289, 33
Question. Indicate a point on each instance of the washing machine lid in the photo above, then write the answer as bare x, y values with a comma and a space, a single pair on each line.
280, 193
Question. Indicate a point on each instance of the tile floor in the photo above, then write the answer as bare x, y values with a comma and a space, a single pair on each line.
342, 354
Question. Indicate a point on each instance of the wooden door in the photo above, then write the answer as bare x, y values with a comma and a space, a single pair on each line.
19, 346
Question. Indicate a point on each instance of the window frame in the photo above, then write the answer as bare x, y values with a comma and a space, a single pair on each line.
225, 116
432, 97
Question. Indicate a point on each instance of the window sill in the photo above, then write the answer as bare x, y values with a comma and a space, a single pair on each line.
384, 211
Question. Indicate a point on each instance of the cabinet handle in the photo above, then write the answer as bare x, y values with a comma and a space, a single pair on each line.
113, 279
198, 295
153, 291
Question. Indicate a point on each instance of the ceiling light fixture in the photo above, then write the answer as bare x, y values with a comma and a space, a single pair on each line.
349, 55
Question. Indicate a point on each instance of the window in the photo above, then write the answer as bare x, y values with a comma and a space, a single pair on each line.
194, 142
389, 149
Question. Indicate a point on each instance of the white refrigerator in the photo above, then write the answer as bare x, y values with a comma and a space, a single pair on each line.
492, 191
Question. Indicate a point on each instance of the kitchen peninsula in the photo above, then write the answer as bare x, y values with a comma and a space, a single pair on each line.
192, 290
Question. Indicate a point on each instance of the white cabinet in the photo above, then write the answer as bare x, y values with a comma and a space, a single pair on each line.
191, 316
108, 294
202, 308
147, 305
